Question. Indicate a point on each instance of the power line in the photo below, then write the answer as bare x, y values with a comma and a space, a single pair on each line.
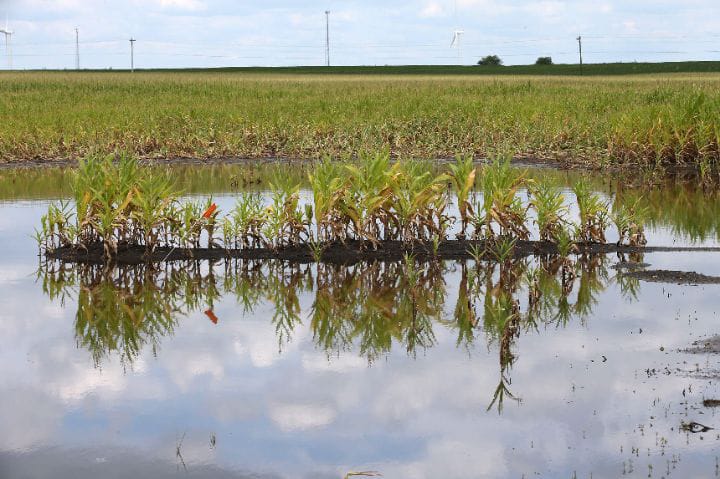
374, 52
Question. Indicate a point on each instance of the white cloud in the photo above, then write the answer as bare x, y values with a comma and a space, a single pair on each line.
189, 5
432, 9
344, 363
630, 26
292, 417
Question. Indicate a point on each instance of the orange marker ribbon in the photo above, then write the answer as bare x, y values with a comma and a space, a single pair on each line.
209, 313
209, 211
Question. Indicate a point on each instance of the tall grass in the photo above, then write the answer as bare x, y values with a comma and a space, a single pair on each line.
664, 119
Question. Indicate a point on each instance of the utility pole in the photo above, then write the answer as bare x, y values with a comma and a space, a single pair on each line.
77, 49
327, 37
132, 54
579, 40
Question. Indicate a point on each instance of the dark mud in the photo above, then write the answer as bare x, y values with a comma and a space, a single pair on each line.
629, 266
556, 161
171, 161
341, 253
520, 161
673, 277
709, 345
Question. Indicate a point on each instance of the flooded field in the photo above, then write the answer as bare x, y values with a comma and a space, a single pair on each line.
529, 367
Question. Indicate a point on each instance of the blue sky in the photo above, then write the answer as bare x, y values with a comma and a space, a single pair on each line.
209, 33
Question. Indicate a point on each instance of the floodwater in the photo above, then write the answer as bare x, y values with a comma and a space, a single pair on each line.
534, 368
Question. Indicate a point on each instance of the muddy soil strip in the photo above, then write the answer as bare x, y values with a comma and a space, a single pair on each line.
529, 161
707, 345
347, 253
674, 277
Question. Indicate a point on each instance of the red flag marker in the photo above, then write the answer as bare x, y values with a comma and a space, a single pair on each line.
209, 211
209, 313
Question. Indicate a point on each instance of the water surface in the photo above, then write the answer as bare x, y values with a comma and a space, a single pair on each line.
457, 370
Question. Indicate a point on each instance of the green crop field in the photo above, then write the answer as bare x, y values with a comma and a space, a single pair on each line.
654, 118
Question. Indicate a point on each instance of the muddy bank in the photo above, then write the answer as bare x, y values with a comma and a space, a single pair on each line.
529, 160
673, 277
342, 253
172, 161
704, 346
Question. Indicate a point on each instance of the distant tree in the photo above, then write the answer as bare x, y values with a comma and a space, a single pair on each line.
490, 61
544, 61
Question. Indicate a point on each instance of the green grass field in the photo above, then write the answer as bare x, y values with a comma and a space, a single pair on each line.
636, 119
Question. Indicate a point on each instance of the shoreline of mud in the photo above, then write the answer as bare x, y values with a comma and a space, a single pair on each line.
530, 160
665, 276
538, 161
344, 253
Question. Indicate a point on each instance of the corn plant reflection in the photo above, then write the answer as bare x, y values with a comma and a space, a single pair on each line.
364, 308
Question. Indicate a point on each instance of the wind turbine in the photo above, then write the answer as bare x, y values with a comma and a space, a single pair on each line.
455, 43
457, 34
8, 43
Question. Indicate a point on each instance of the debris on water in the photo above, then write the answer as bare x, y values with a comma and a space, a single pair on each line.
694, 427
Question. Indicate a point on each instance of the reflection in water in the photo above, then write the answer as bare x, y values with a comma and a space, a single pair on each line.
362, 307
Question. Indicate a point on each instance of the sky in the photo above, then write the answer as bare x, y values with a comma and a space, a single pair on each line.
214, 33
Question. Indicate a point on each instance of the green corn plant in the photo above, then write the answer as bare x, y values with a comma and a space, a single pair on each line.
628, 218
500, 205
369, 198
188, 229
228, 233
329, 190
247, 219
593, 214
414, 196
549, 204
502, 249
462, 174
152, 196
210, 222
477, 252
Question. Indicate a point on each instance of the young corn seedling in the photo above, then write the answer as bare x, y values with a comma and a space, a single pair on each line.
593, 214
153, 195
247, 218
628, 219
549, 204
462, 174
500, 205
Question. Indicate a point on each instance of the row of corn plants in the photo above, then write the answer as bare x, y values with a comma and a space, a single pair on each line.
118, 203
